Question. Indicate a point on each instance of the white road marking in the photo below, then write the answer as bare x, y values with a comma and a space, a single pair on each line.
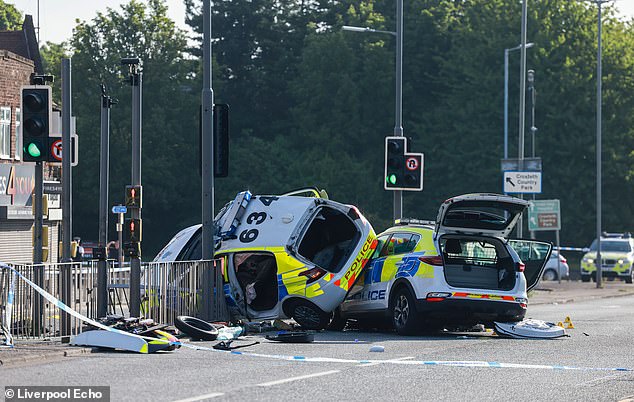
599, 380
201, 397
391, 360
301, 377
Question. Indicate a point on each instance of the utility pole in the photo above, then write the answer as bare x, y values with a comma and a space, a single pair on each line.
207, 165
102, 268
67, 185
531, 90
599, 126
520, 156
398, 126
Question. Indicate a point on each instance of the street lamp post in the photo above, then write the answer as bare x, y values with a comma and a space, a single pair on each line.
506, 95
398, 126
599, 101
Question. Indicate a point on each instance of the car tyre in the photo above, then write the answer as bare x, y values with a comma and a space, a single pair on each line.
629, 278
309, 316
338, 323
585, 278
196, 328
403, 312
550, 275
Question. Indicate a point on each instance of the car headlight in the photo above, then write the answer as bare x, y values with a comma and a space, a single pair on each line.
588, 260
621, 261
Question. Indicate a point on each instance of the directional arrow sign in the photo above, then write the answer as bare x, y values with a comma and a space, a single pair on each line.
544, 215
119, 209
522, 182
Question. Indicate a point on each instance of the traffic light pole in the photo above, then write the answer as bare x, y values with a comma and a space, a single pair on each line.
207, 164
398, 126
102, 268
38, 268
136, 81
67, 185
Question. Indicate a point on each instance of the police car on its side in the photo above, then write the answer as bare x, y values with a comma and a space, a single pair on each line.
461, 269
284, 256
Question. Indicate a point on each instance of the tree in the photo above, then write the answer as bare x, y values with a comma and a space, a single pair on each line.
52, 55
170, 114
10, 18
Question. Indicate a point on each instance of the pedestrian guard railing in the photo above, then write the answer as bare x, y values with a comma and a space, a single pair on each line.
168, 289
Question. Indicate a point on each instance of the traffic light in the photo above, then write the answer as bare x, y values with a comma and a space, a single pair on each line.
413, 172
36, 122
133, 196
403, 170
134, 228
395, 148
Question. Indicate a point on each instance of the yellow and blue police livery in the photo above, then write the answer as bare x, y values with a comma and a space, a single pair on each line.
285, 256
460, 269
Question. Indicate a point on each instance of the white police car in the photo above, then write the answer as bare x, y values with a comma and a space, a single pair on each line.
284, 256
461, 269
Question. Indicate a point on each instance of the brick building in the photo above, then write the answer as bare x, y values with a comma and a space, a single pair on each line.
19, 58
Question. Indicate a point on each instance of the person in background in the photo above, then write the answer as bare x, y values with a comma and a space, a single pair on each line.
79, 255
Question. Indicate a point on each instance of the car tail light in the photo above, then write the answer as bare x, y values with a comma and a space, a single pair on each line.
437, 296
313, 274
522, 301
562, 259
520, 266
431, 260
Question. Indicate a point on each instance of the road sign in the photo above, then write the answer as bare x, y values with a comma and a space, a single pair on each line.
522, 182
544, 215
55, 149
119, 209
412, 163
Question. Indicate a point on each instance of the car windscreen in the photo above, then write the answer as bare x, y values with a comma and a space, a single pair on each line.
612, 246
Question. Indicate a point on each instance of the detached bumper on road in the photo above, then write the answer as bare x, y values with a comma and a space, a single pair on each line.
465, 311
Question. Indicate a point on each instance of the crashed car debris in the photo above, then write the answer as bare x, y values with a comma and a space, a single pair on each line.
286, 256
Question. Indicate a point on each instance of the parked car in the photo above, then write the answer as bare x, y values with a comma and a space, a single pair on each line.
284, 256
617, 258
554, 269
460, 269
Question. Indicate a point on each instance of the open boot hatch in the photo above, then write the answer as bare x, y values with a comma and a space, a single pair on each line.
477, 263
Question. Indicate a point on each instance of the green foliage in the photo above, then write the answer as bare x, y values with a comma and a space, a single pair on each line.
10, 18
170, 117
311, 104
52, 55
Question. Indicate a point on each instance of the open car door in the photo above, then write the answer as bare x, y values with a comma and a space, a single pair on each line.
534, 255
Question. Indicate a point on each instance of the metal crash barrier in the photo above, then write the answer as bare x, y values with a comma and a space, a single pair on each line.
167, 291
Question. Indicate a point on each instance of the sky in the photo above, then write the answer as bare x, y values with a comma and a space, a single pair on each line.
57, 17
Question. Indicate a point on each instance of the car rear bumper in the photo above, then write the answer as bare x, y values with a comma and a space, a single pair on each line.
466, 311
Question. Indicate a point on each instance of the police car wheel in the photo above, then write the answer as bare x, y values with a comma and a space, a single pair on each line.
403, 312
585, 278
338, 323
629, 278
309, 316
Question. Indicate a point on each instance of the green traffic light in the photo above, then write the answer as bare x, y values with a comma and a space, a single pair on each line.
391, 179
33, 150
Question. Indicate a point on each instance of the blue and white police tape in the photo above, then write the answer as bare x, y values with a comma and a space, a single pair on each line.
584, 249
427, 363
